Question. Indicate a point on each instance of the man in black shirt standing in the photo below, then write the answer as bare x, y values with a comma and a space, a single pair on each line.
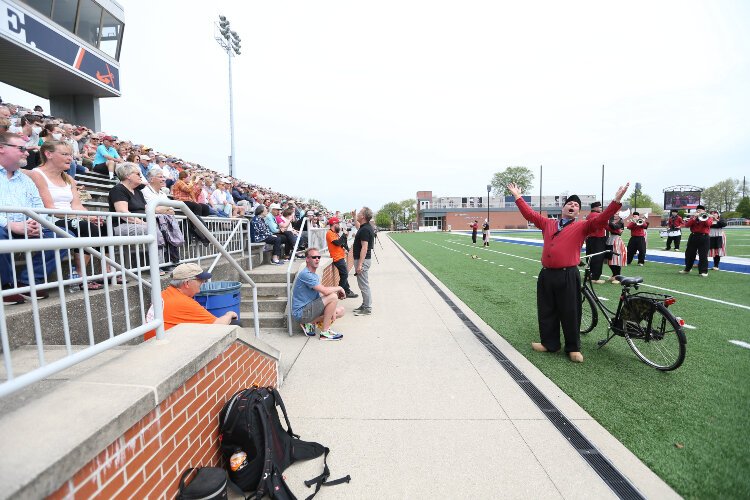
362, 249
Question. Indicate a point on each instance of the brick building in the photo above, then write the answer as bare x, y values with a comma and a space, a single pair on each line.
457, 212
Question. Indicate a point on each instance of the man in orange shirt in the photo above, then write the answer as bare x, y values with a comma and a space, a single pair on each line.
179, 304
337, 247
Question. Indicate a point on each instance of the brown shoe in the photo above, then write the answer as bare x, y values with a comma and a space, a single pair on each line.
538, 347
598, 282
16, 298
576, 357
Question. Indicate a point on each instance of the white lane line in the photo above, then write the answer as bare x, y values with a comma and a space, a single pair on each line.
491, 262
740, 343
511, 269
741, 306
523, 272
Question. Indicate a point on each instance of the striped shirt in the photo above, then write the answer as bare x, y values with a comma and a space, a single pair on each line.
18, 191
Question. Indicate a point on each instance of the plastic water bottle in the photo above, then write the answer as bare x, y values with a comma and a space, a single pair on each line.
74, 287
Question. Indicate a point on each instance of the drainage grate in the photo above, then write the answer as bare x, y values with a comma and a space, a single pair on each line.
611, 476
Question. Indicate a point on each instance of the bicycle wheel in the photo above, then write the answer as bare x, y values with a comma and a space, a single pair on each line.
653, 333
589, 314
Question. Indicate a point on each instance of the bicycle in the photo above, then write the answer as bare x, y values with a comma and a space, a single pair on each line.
653, 333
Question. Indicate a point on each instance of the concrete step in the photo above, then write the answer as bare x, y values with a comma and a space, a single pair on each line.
270, 274
265, 290
267, 319
265, 304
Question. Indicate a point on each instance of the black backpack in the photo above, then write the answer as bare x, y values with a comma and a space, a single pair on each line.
250, 422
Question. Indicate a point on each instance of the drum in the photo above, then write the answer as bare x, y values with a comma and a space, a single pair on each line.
664, 233
676, 232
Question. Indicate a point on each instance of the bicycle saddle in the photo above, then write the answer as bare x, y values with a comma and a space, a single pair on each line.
628, 281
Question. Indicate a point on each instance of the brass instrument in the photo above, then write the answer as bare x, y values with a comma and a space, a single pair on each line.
703, 216
640, 221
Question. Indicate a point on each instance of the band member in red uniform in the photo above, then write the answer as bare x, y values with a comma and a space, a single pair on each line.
474, 228
637, 241
558, 288
615, 262
595, 243
698, 242
717, 240
673, 227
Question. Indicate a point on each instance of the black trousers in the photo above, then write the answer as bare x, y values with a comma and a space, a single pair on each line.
558, 301
595, 245
637, 244
343, 274
674, 239
697, 243
473, 236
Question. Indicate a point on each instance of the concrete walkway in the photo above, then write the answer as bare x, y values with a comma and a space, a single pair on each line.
412, 405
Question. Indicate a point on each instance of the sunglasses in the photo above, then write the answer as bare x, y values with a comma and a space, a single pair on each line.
20, 148
316, 257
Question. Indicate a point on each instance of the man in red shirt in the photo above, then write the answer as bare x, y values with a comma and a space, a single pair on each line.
698, 242
337, 247
474, 228
558, 288
637, 241
595, 243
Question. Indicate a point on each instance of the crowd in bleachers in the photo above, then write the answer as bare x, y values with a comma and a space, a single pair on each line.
55, 154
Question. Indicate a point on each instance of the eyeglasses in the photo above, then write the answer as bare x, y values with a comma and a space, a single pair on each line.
20, 148
63, 154
316, 257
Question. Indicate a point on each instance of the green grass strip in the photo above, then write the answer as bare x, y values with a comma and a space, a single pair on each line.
690, 426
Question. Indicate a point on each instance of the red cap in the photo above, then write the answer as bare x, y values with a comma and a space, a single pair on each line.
108, 138
332, 221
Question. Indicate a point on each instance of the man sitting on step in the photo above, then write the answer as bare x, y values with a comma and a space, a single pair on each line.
179, 305
314, 303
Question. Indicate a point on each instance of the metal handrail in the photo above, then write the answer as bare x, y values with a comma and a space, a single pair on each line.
44, 221
154, 257
28, 245
289, 272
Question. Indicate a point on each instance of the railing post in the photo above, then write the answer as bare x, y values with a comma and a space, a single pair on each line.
153, 257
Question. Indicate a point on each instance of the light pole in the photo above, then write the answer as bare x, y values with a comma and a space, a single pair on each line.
229, 41
489, 188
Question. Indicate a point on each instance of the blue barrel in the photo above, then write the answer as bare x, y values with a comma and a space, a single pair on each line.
218, 297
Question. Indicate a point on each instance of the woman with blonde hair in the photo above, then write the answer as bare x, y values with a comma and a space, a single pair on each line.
59, 190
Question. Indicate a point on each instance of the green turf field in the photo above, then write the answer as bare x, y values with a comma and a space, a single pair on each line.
691, 425
738, 240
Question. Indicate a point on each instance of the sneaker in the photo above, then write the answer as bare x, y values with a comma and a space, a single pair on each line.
308, 329
704, 275
277, 263
351, 295
714, 268
16, 298
365, 311
330, 335
683, 271
640, 264
40, 294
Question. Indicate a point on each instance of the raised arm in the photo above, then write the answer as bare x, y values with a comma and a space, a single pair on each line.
528, 213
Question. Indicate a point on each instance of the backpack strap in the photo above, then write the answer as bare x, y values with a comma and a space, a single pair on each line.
322, 480
280, 402
265, 477
182, 481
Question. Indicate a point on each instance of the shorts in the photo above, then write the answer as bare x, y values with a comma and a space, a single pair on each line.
312, 310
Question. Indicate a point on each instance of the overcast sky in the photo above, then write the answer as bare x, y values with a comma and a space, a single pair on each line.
360, 103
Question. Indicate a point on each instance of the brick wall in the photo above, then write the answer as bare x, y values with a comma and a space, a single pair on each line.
331, 274
149, 458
